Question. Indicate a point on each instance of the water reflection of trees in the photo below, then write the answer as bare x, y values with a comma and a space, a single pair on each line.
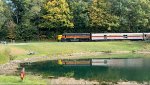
50, 68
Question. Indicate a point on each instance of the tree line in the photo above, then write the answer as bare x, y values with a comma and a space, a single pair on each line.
25, 20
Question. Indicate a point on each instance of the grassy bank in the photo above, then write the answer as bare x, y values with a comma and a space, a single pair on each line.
29, 80
3, 54
3, 58
20, 50
69, 47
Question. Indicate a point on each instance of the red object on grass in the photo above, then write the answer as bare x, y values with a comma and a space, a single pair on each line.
22, 73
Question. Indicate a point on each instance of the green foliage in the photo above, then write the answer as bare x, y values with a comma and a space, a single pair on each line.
3, 11
100, 16
44, 19
27, 34
57, 15
5, 15
80, 14
7, 55
134, 14
26, 17
10, 25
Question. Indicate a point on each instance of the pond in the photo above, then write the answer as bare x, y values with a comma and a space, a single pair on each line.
108, 69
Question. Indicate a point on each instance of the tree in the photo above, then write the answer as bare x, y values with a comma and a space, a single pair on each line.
10, 26
134, 14
100, 16
57, 15
26, 15
2, 10
80, 15
5, 14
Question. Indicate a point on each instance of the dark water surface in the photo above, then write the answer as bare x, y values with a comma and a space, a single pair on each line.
136, 69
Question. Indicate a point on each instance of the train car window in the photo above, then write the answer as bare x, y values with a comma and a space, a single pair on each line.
125, 36
145, 35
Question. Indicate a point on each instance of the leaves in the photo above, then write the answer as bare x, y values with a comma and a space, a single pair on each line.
4, 13
134, 14
80, 14
100, 16
57, 14
34, 18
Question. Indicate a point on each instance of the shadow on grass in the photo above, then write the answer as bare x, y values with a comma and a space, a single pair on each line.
51, 68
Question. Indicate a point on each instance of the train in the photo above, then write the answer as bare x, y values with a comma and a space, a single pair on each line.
81, 37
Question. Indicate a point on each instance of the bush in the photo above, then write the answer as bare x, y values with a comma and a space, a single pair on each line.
8, 54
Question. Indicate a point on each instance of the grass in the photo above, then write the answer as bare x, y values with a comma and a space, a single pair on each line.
29, 80
3, 55
3, 58
20, 50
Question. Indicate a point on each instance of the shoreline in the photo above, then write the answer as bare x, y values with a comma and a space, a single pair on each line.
10, 67
69, 81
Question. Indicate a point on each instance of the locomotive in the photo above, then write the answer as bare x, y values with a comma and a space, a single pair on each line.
79, 37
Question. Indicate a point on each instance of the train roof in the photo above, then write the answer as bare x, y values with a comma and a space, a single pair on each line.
76, 33
99, 33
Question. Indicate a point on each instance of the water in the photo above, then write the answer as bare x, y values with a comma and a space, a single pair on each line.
137, 69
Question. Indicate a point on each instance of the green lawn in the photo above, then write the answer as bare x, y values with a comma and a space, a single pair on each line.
3, 58
20, 50
15, 80
69, 47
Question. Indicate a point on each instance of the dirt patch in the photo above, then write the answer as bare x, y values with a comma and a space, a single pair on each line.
13, 50
71, 81
10, 67
130, 83
124, 83
17, 51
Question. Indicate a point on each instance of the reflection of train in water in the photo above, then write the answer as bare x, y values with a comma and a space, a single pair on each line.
107, 62
102, 36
